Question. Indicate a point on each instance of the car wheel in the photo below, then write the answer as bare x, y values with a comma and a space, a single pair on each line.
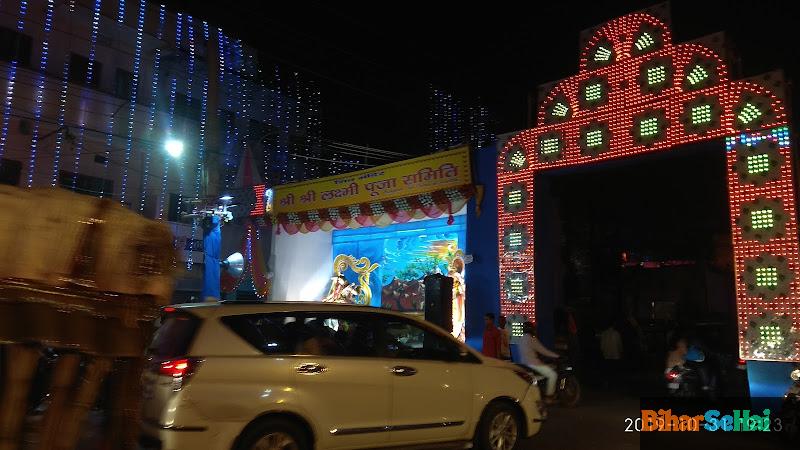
274, 434
499, 428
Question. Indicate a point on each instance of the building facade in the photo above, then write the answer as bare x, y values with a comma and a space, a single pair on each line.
94, 88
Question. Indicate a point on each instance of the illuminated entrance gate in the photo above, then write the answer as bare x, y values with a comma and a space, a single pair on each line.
637, 92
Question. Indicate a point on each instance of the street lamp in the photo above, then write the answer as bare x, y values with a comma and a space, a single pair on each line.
174, 148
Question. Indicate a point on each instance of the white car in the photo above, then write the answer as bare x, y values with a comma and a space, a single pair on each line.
304, 376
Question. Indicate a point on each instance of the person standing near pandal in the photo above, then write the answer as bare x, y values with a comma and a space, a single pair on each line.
491, 337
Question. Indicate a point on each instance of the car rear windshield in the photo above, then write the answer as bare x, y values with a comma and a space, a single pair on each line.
174, 336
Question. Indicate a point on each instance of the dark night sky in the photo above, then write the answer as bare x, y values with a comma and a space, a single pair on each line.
374, 60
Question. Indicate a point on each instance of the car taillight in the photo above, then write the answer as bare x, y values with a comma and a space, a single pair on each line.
525, 376
176, 368
673, 375
180, 370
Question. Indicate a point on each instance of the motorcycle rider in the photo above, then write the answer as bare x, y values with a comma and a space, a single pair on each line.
529, 350
684, 356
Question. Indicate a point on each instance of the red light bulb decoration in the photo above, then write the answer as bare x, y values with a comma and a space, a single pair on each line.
636, 107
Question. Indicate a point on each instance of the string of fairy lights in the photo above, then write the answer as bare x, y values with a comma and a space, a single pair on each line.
40, 78
7, 103
151, 122
201, 147
95, 26
23, 10
173, 86
137, 59
62, 113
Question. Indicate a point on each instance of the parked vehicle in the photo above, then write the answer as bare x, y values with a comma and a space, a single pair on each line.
325, 376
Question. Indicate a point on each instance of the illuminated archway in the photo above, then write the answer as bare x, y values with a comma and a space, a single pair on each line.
636, 92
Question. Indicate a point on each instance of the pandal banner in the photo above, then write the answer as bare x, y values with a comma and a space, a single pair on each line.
439, 171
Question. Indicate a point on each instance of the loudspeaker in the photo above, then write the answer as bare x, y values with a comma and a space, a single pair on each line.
439, 301
233, 265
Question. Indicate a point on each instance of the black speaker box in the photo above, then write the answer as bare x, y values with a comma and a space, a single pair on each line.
439, 300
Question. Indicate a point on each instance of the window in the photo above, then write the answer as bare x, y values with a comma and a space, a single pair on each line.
86, 184
123, 84
404, 339
79, 66
15, 46
176, 208
310, 333
187, 107
10, 171
174, 336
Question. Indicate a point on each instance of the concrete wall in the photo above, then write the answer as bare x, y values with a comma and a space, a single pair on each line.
303, 266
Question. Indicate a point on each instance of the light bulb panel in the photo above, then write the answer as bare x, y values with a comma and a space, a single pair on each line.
753, 112
594, 92
762, 220
647, 39
649, 126
767, 277
550, 146
515, 239
595, 138
516, 159
656, 75
758, 163
516, 287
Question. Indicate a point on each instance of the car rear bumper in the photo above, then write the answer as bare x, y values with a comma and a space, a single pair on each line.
157, 437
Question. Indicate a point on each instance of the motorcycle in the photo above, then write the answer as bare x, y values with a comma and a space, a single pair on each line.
790, 410
689, 379
568, 388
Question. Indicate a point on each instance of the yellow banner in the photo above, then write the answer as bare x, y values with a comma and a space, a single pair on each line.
401, 179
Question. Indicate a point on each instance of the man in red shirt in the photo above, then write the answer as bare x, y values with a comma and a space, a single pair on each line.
491, 337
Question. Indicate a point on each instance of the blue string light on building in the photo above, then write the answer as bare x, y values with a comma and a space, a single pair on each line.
23, 10
62, 111
109, 147
151, 121
190, 38
7, 102
78, 148
201, 148
88, 82
162, 18
39, 95
137, 60
173, 85
121, 11
230, 119
178, 29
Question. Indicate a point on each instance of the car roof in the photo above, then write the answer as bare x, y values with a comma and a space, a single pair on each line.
215, 308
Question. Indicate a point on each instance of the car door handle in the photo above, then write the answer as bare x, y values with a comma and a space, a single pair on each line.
310, 368
403, 371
